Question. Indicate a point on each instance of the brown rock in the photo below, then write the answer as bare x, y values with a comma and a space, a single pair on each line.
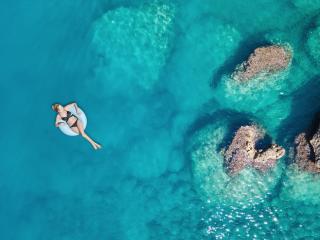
315, 143
242, 152
306, 153
268, 158
264, 61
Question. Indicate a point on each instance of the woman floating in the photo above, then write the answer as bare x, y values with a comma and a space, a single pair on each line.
66, 116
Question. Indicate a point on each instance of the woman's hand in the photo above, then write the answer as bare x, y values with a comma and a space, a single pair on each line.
58, 123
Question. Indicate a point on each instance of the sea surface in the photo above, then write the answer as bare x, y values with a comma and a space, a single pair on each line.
153, 79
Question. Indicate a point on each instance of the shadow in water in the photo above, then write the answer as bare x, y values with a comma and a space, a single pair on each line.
246, 47
234, 121
264, 143
303, 118
314, 126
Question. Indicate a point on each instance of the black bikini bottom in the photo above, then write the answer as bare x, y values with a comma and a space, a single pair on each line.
74, 124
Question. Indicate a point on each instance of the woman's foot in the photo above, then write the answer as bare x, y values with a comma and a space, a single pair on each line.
96, 146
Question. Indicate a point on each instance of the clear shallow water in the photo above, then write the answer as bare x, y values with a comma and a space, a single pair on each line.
152, 78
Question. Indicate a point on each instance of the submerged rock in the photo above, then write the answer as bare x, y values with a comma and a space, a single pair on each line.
313, 43
307, 6
242, 152
133, 43
307, 151
213, 183
263, 62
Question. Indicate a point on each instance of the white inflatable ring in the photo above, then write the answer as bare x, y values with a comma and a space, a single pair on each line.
63, 126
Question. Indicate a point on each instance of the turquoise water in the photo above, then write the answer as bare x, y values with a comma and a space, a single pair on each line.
152, 77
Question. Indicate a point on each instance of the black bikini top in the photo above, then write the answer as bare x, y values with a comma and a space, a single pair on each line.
69, 115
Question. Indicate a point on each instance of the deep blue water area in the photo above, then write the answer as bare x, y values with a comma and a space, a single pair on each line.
153, 80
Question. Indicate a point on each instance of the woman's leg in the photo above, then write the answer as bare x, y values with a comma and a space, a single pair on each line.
83, 134
75, 129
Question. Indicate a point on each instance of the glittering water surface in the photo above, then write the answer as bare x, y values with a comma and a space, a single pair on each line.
153, 79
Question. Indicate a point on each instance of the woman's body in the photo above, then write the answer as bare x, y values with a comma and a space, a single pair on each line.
64, 115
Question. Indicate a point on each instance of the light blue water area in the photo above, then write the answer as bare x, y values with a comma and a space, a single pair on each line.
154, 80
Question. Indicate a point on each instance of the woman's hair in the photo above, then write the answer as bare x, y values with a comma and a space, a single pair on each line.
55, 107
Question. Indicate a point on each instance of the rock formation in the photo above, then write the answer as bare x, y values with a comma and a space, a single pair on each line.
264, 160
242, 152
263, 62
134, 42
312, 44
307, 151
208, 166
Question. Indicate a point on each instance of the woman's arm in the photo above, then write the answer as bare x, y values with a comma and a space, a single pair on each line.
76, 107
58, 120
72, 105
